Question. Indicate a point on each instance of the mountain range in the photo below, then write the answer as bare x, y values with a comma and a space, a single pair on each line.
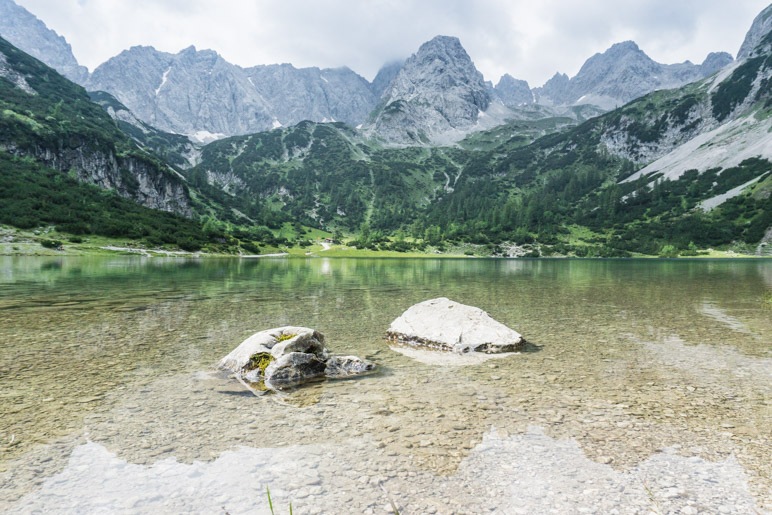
199, 94
429, 153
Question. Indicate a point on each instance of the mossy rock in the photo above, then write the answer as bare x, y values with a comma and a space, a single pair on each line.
259, 361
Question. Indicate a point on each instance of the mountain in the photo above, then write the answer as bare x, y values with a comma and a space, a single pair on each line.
621, 74
754, 42
437, 95
52, 121
23, 30
672, 171
200, 94
513, 92
325, 95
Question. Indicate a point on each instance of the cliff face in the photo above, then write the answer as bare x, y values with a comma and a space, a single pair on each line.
757, 39
131, 176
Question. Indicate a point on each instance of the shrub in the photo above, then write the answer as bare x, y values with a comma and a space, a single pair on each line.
52, 244
668, 251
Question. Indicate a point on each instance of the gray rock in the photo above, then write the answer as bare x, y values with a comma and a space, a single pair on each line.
385, 77
287, 338
715, 62
320, 95
513, 92
447, 325
346, 366
288, 356
294, 368
200, 94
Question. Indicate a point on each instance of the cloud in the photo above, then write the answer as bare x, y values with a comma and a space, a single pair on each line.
529, 40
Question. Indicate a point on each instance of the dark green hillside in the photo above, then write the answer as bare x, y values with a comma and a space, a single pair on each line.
47, 117
323, 175
58, 115
32, 196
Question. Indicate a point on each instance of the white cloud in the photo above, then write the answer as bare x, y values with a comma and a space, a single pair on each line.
530, 40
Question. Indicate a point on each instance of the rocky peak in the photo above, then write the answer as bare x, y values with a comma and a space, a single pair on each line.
715, 61
513, 92
199, 93
440, 66
619, 59
623, 48
26, 32
437, 96
758, 35
322, 95
555, 91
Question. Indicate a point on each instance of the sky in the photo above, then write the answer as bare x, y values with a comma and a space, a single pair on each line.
528, 39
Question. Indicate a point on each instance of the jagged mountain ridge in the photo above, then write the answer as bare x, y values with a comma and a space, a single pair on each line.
200, 94
621, 74
513, 92
25, 31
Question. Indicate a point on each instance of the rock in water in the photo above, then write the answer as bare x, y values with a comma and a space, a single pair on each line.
447, 325
294, 368
347, 366
289, 356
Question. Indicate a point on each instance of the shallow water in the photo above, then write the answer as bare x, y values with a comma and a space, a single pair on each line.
646, 388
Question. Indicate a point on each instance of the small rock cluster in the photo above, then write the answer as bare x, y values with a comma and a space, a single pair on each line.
288, 356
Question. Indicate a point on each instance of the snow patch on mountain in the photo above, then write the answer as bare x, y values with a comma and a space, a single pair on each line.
163, 80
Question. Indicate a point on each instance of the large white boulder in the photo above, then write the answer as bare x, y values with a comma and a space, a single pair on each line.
447, 325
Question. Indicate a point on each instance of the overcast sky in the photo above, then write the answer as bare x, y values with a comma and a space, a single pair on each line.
529, 39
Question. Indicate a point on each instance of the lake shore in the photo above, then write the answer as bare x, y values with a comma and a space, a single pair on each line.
28, 247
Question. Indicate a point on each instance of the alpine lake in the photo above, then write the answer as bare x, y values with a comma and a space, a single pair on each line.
646, 388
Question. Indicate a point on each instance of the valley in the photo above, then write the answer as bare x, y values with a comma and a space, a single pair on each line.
428, 158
